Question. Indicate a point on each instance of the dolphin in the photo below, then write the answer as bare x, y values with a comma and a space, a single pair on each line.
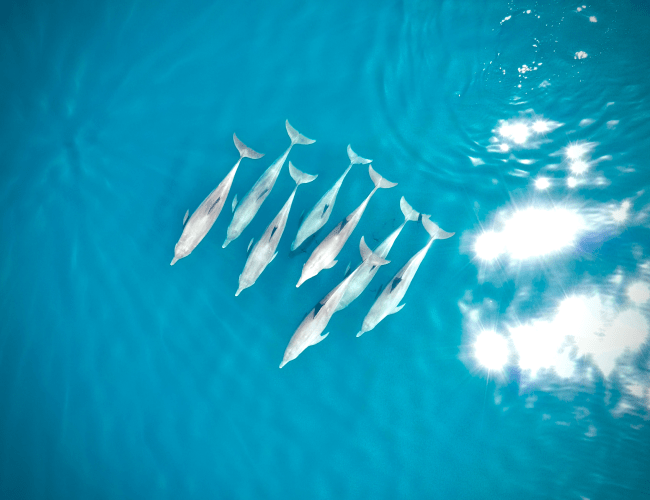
319, 215
394, 291
251, 203
366, 271
324, 254
204, 216
310, 329
264, 250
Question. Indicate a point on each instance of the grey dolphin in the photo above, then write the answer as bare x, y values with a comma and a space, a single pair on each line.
203, 217
366, 271
264, 250
251, 203
324, 254
320, 213
387, 302
310, 329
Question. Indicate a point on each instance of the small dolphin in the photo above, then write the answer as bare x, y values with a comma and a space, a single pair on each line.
251, 203
310, 329
264, 250
324, 254
394, 291
366, 271
204, 216
319, 215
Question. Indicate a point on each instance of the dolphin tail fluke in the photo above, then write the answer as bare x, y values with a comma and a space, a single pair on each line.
372, 257
379, 181
363, 248
245, 151
407, 210
434, 230
355, 158
300, 177
297, 137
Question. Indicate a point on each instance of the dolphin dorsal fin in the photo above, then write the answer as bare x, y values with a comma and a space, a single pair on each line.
331, 264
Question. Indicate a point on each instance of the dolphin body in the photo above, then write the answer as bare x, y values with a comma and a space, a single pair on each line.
366, 271
251, 203
396, 288
310, 329
204, 217
320, 214
264, 250
324, 254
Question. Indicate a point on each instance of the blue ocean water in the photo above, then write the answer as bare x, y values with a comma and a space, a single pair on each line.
123, 377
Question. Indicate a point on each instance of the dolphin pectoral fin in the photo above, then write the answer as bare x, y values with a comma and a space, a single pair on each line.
187, 214
250, 245
331, 264
274, 256
397, 309
379, 291
347, 271
319, 338
234, 203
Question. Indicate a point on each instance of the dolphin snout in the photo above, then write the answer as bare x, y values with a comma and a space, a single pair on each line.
174, 260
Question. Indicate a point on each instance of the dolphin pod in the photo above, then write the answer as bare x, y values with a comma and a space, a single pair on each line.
394, 291
264, 250
366, 271
324, 255
309, 331
251, 203
320, 213
203, 217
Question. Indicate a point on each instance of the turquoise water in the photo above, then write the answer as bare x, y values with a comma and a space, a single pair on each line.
123, 377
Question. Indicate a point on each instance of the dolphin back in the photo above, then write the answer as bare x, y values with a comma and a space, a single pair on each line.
245, 151
296, 137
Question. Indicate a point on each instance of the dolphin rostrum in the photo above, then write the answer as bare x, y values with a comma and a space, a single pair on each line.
204, 216
264, 250
366, 271
324, 254
394, 291
251, 203
319, 215
310, 329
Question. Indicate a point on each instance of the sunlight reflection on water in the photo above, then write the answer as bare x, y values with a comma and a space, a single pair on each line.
581, 326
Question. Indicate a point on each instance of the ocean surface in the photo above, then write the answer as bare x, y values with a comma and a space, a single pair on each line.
520, 364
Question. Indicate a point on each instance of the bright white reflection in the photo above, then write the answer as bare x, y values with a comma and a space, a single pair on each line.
622, 213
639, 293
491, 350
532, 232
524, 130
579, 167
583, 327
576, 151
542, 183
489, 245
572, 182
517, 132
